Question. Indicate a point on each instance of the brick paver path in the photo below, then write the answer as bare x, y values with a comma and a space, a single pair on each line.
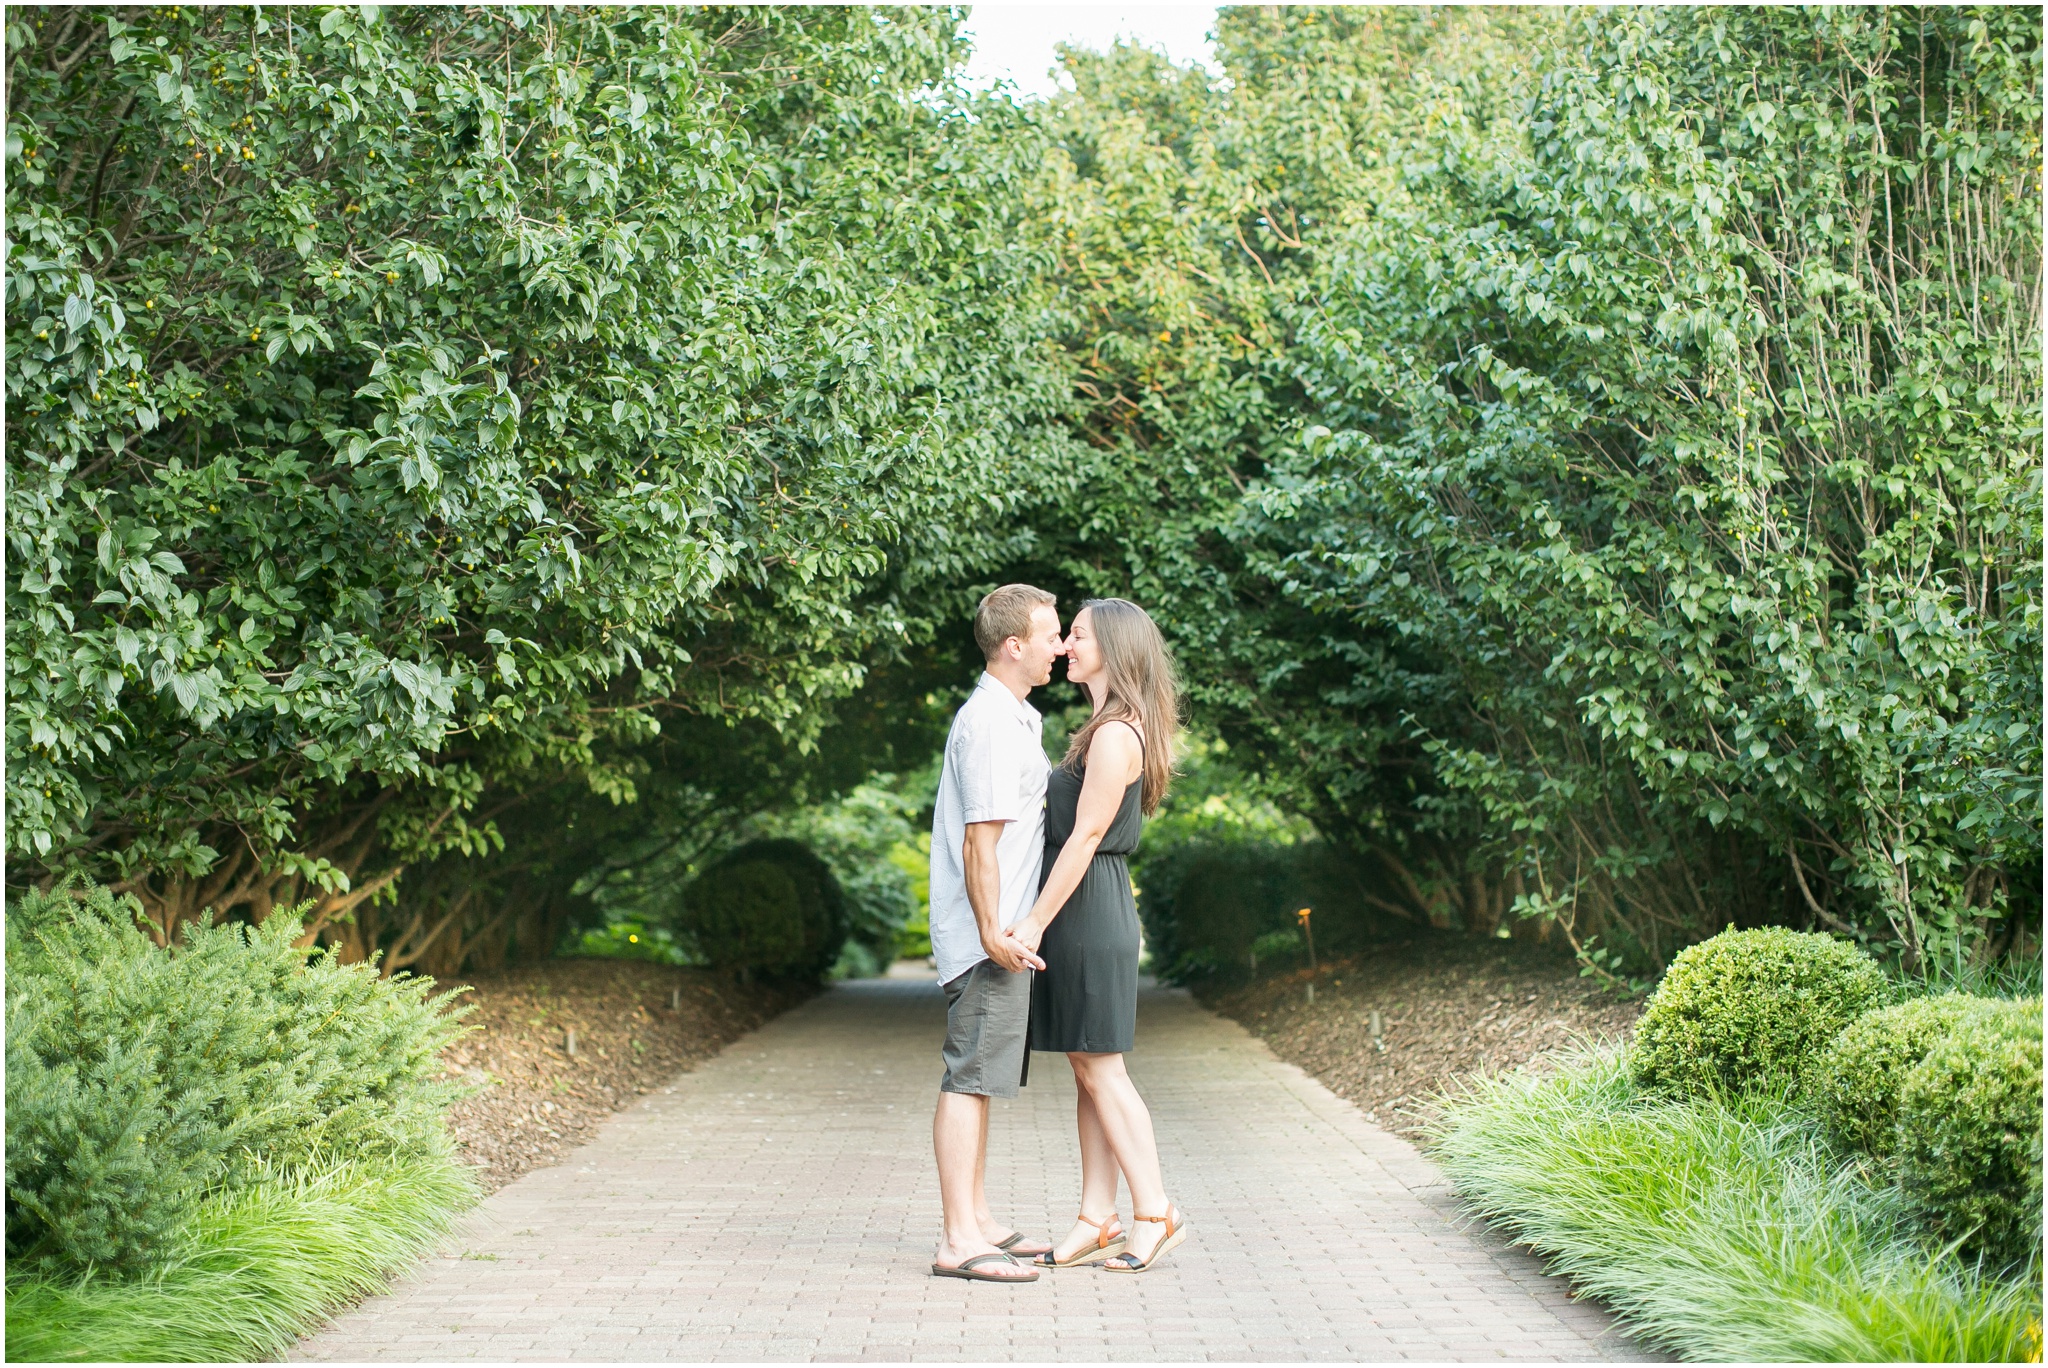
779, 1203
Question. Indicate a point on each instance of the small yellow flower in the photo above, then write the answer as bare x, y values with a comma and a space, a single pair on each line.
255, 333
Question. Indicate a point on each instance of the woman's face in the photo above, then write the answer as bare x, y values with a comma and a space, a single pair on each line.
1084, 652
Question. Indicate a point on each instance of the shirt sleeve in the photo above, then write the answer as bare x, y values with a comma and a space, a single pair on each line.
990, 777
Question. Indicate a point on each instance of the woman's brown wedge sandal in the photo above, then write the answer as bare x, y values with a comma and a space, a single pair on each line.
1107, 1245
1176, 1231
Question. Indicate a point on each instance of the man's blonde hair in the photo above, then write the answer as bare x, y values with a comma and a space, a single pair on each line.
1005, 613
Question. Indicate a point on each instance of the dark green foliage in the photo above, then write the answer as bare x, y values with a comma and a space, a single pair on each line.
628, 940
1751, 1009
770, 907
1219, 900
1856, 1084
140, 1079
1591, 456
413, 412
1970, 1132
867, 837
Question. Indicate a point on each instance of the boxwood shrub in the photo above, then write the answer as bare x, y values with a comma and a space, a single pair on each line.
1970, 1132
770, 907
1750, 1009
1855, 1086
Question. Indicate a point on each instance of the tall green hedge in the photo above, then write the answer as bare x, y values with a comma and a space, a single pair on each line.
417, 414
1589, 452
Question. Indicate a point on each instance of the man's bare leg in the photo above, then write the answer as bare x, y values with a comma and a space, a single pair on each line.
960, 1143
992, 1229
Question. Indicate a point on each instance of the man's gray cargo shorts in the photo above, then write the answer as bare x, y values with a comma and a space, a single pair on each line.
987, 1011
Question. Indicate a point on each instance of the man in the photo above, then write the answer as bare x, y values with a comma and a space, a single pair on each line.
988, 838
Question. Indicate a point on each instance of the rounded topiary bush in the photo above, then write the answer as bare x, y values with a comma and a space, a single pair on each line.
1856, 1083
1970, 1132
770, 907
1751, 1009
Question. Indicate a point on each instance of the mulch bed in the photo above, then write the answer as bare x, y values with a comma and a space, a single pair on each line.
534, 1102
1449, 1006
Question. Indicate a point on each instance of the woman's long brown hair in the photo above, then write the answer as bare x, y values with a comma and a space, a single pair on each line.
1139, 685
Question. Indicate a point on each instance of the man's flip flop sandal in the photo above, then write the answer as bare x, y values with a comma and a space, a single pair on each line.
1015, 1238
967, 1270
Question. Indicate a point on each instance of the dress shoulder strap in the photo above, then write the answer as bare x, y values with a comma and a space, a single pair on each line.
1134, 731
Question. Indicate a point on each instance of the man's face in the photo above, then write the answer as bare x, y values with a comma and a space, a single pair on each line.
1042, 647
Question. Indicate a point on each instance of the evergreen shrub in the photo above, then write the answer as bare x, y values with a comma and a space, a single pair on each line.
1970, 1132
1207, 911
1751, 1009
770, 907
1855, 1086
140, 1079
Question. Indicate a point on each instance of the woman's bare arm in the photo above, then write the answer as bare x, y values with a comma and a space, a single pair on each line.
1114, 759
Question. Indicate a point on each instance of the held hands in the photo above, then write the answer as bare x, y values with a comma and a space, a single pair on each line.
1010, 953
1028, 933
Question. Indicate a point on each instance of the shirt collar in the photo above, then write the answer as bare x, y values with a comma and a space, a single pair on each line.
1023, 711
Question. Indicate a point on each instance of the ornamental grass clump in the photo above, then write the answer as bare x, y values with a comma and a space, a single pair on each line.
1855, 1085
1751, 1010
1722, 1229
1969, 1134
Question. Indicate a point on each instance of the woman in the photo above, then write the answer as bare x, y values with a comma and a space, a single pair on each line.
1085, 927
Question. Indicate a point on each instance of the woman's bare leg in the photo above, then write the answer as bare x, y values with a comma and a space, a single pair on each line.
1127, 1130
1098, 1176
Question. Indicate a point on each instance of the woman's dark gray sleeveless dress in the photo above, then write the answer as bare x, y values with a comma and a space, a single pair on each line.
1086, 998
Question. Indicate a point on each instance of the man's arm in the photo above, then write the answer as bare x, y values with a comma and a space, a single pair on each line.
985, 896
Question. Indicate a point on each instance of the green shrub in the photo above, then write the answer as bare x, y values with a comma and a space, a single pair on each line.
771, 907
1970, 1132
1751, 1009
634, 940
140, 1079
1720, 1232
1856, 1083
1207, 908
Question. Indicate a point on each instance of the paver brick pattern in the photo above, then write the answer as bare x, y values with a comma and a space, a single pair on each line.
780, 1204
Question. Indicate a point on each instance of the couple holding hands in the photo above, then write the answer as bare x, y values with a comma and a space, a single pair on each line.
1034, 928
